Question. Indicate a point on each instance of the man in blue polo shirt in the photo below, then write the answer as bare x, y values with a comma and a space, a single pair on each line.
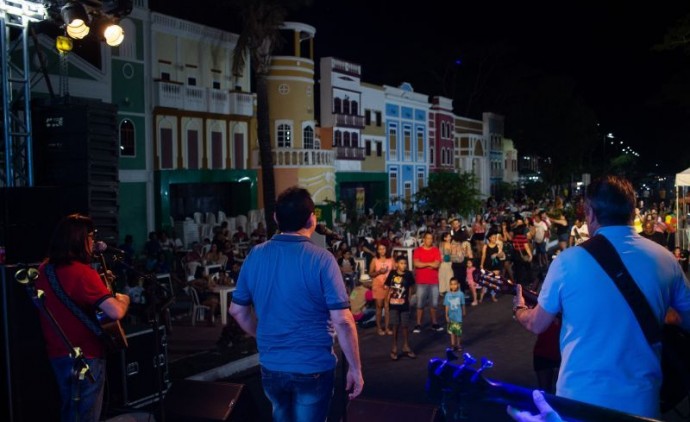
298, 298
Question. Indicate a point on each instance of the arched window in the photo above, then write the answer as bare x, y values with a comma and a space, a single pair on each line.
346, 139
337, 105
355, 140
284, 136
354, 108
346, 106
127, 141
308, 137
338, 139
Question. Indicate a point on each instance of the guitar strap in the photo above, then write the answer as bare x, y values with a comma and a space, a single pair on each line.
65, 299
605, 254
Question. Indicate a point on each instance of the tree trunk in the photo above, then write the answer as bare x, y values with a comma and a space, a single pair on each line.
265, 152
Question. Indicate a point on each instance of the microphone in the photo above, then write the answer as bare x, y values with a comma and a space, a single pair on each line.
325, 231
101, 247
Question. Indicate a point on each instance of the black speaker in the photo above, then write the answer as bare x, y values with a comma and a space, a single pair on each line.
32, 393
202, 401
133, 373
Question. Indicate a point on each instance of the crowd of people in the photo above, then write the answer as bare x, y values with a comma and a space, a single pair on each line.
513, 240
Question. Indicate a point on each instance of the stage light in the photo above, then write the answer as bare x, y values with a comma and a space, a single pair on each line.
113, 35
63, 44
76, 20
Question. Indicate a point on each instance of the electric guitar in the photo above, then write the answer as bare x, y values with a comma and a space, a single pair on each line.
501, 284
113, 333
460, 387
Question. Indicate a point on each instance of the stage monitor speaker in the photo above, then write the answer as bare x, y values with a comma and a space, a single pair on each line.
202, 401
31, 391
365, 410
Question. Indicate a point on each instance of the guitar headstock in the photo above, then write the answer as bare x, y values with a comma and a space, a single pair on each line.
465, 383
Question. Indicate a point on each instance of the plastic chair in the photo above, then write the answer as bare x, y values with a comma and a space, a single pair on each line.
198, 310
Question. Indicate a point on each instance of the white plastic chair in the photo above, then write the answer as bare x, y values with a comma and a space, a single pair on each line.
198, 310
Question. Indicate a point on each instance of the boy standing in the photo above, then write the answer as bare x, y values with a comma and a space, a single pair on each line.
455, 310
400, 284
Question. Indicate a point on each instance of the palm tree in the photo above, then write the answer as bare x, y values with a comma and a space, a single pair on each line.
259, 37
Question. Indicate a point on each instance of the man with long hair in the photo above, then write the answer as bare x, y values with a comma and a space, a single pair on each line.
69, 259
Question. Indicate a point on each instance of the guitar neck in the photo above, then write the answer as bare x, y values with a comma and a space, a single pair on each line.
466, 379
104, 273
495, 282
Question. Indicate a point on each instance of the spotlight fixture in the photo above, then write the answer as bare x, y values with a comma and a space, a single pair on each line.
76, 19
63, 44
113, 34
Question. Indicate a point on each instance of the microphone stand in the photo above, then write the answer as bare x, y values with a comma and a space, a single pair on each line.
159, 358
80, 368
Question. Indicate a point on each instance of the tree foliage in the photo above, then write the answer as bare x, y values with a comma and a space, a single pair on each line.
450, 192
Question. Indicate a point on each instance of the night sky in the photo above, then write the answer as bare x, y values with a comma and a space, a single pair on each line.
480, 53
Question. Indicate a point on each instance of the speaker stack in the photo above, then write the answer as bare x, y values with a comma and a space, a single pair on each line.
76, 145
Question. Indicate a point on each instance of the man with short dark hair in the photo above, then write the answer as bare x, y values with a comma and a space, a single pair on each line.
290, 295
427, 260
606, 359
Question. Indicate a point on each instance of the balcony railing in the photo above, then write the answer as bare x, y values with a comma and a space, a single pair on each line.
194, 98
347, 153
298, 157
349, 120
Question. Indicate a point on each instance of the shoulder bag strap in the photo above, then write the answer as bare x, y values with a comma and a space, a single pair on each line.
605, 254
65, 299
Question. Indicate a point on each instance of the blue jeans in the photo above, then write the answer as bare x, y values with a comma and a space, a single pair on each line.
298, 397
88, 408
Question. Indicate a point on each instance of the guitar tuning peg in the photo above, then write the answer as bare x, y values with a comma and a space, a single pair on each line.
486, 364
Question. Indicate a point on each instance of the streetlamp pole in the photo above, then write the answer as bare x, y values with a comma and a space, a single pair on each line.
604, 139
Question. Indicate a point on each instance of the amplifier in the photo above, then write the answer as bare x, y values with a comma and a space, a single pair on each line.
138, 375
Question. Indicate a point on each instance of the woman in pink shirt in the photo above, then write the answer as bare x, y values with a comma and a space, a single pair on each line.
378, 270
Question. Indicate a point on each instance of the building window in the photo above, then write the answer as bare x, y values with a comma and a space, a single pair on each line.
355, 140
192, 149
337, 105
367, 117
407, 136
393, 182
378, 119
191, 81
432, 159
346, 106
216, 85
308, 136
167, 148
420, 144
367, 147
216, 150
354, 108
379, 149
284, 136
346, 139
408, 192
127, 144
338, 138
393, 144
420, 179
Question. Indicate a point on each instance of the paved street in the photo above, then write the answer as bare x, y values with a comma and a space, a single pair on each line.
489, 331
396, 388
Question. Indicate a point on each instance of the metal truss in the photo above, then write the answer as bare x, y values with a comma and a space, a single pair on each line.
16, 156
